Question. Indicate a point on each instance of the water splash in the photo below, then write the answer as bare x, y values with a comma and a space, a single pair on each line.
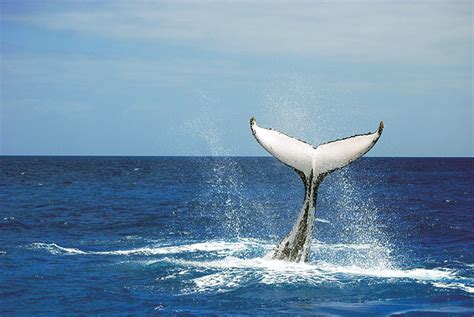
356, 216
218, 266
225, 193
303, 108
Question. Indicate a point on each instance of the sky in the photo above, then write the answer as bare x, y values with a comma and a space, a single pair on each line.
184, 77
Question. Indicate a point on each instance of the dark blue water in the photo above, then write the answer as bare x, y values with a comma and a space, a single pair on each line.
118, 236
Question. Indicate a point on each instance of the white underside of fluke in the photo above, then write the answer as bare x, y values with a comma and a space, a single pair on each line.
321, 159
313, 164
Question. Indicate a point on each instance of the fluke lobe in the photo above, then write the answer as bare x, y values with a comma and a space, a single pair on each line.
312, 164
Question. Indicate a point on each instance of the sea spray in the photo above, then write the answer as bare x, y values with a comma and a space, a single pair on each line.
347, 202
225, 193
305, 108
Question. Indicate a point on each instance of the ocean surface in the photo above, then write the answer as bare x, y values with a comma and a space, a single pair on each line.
188, 235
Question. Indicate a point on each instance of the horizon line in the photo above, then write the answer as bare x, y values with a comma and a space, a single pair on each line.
202, 156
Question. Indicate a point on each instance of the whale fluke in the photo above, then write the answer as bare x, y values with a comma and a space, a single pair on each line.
312, 164
305, 158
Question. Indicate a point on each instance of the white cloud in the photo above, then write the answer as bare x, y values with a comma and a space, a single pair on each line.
402, 31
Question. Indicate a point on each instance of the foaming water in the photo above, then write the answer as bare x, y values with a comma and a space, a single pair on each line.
224, 266
217, 246
461, 286
53, 248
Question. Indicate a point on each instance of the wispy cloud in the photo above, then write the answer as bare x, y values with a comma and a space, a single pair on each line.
402, 31
81, 70
135, 66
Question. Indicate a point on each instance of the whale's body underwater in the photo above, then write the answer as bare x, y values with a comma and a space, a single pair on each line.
312, 164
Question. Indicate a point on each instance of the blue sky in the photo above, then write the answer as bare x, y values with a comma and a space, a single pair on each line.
184, 77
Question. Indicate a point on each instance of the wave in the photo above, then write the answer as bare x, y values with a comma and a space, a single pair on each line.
461, 286
232, 269
318, 245
417, 273
234, 272
53, 248
321, 268
212, 246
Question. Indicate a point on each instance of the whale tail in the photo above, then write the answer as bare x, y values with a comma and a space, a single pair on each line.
312, 164
319, 160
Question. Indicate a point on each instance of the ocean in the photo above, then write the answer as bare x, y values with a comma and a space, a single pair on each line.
188, 236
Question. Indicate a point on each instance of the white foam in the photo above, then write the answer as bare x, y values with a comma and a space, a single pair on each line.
231, 271
461, 286
321, 268
221, 247
469, 265
417, 274
219, 282
216, 246
53, 248
234, 272
317, 245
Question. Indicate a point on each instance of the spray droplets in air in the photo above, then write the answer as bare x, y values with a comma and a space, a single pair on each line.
304, 109
347, 202
308, 109
225, 194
